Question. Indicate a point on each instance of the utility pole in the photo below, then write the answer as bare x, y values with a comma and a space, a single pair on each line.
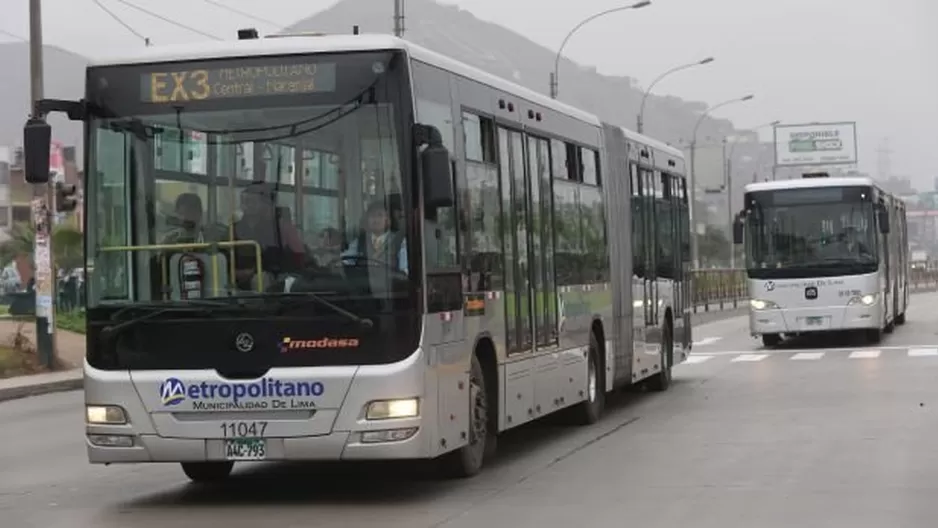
399, 18
42, 213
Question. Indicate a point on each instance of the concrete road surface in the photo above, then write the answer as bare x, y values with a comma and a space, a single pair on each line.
833, 433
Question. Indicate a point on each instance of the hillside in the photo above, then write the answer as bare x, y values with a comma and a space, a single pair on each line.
64, 75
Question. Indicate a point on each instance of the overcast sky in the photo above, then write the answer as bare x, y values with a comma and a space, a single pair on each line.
870, 61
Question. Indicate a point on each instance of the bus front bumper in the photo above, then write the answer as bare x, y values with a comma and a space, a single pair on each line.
814, 319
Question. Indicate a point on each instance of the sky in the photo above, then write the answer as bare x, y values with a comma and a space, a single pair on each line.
872, 62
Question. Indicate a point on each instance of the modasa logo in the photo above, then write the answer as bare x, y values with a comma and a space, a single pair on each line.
236, 395
289, 344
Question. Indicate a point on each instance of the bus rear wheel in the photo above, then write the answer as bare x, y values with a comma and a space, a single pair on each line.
661, 381
204, 472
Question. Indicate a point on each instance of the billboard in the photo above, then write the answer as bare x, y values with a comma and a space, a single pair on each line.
816, 144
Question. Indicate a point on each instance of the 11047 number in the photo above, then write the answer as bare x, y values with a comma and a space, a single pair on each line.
243, 429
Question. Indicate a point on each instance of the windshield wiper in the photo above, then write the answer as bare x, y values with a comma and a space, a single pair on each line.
157, 309
305, 298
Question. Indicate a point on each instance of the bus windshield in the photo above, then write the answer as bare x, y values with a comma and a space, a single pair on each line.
824, 230
250, 176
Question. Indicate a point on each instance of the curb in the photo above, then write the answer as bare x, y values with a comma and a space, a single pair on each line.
26, 390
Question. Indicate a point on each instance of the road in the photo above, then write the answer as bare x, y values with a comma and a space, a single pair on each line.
835, 434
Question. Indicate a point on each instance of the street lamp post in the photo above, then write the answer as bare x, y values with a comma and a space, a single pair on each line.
694, 248
641, 112
554, 74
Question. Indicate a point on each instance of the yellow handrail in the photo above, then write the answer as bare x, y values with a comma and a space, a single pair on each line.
198, 245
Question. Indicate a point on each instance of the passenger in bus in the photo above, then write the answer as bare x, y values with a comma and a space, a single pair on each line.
329, 248
282, 249
187, 222
377, 241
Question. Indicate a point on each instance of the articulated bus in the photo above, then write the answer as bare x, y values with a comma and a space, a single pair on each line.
349, 247
824, 254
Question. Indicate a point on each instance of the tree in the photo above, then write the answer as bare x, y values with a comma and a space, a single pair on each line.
67, 245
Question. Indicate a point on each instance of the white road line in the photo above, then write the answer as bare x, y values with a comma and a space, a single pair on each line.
707, 341
749, 357
901, 348
696, 359
865, 354
920, 352
807, 356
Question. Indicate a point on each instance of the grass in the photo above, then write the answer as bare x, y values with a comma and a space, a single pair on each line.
18, 357
72, 321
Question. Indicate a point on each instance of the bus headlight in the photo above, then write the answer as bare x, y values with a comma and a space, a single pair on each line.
759, 304
866, 300
105, 415
390, 409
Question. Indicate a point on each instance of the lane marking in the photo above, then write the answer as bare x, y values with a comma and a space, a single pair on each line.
808, 356
707, 341
797, 350
921, 352
696, 360
865, 354
750, 357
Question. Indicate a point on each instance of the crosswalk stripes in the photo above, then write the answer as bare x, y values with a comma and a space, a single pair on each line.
807, 356
861, 354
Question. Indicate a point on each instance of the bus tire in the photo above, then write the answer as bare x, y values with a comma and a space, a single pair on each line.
590, 410
204, 472
771, 340
661, 381
467, 461
900, 319
874, 335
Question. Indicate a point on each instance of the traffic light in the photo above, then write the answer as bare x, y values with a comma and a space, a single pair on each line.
66, 197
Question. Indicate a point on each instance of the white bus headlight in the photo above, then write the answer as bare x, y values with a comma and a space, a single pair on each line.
866, 300
390, 409
105, 415
759, 304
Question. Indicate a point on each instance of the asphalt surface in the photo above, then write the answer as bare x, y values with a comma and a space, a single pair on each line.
827, 434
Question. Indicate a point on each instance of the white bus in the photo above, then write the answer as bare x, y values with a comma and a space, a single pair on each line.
351, 247
824, 254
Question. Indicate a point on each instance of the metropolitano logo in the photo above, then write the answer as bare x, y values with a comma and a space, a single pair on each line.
172, 392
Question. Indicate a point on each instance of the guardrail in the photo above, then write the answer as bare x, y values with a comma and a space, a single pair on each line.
726, 289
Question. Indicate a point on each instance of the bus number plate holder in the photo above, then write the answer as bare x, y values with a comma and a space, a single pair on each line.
245, 449
814, 321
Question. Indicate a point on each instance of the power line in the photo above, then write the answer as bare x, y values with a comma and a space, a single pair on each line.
243, 13
13, 35
127, 26
168, 20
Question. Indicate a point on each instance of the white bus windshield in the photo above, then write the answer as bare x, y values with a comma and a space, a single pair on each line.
831, 227
291, 166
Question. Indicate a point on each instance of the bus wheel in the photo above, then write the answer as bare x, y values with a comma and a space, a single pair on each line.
467, 461
590, 410
207, 471
900, 319
874, 335
661, 381
771, 340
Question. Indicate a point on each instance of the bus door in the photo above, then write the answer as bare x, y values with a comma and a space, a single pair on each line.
652, 190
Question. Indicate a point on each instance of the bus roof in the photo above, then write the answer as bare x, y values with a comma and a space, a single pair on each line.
807, 183
653, 143
286, 45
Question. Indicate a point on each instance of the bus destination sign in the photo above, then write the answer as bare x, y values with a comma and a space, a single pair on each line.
265, 80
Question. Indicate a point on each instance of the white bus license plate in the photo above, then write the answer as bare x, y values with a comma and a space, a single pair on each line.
814, 321
246, 449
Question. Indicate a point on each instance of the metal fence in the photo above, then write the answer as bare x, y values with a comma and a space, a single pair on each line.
726, 289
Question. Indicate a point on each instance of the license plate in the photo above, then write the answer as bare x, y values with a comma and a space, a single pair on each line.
814, 321
246, 449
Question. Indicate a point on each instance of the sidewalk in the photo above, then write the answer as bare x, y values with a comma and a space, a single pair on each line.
70, 355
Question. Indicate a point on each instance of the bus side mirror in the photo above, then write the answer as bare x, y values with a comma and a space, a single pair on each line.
883, 219
436, 168
37, 142
738, 228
